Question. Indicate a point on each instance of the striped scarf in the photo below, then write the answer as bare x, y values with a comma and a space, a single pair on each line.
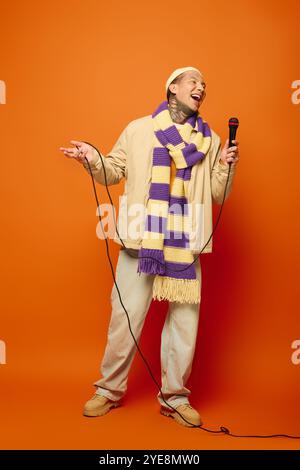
165, 249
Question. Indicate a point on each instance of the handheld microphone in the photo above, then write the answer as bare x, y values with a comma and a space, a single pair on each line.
233, 124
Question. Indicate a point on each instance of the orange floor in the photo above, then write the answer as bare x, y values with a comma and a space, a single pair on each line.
48, 416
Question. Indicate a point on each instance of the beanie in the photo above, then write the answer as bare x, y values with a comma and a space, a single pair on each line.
178, 72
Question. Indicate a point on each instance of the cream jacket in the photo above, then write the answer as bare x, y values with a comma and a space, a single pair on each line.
131, 158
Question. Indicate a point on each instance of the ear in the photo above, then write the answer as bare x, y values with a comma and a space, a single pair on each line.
173, 88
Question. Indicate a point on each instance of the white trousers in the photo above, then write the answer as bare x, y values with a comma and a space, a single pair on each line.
178, 339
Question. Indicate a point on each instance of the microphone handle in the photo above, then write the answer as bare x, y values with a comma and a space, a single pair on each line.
232, 134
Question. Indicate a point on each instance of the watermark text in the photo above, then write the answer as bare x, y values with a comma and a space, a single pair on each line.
2, 92
2, 352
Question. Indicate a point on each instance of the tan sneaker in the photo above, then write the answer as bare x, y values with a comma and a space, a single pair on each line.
98, 405
187, 411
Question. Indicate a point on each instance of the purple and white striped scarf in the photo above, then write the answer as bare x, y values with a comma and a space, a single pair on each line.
165, 250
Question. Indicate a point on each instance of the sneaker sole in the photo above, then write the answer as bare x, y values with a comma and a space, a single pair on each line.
178, 419
103, 411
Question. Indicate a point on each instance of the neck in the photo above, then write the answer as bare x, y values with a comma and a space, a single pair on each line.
179, 112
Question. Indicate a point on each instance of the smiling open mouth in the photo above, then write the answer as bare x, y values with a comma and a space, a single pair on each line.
196, 97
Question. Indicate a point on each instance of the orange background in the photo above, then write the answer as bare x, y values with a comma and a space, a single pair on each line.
82, 70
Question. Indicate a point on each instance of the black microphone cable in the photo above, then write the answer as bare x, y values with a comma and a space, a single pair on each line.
222, 429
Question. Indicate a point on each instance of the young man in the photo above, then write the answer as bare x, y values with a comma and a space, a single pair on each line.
175, 169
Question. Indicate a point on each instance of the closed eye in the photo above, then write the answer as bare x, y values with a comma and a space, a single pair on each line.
203, 83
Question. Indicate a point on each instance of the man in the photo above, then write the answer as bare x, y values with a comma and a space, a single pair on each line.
171, 155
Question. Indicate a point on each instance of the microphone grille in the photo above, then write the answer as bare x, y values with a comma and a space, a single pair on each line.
233, 122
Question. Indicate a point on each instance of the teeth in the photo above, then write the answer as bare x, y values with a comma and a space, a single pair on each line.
197, 97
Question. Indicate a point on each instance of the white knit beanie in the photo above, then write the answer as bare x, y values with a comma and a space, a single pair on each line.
179, 72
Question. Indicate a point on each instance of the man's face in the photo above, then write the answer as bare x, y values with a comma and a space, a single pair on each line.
190, 90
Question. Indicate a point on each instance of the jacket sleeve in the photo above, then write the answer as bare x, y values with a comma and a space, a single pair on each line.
114, 162
219, 174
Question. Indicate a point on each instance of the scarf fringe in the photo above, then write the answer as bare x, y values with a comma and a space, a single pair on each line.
151, 261
176, 290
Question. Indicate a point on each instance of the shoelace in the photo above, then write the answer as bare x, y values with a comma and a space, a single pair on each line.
97, 396
184, 406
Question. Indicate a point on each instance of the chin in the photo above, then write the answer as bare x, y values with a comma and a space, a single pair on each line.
194, 109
